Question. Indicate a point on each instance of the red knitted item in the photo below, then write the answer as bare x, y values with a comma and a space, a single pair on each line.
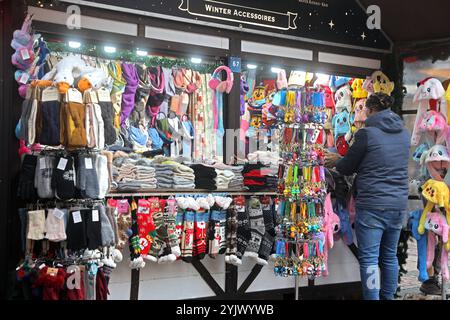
51, 285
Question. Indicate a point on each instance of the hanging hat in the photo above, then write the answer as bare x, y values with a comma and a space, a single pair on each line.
358, 90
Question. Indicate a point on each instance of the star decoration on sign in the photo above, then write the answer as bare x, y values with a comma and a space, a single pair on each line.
363, 36
331, 24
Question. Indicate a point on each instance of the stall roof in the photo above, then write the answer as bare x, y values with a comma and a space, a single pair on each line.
414, 20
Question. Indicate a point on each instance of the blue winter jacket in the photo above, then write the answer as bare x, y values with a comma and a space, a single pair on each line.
379, 156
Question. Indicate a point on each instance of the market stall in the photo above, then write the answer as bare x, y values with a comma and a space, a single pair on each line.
144, 95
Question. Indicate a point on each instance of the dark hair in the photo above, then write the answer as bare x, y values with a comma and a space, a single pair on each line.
379, 101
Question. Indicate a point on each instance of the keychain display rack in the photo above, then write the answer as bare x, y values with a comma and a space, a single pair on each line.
302, 187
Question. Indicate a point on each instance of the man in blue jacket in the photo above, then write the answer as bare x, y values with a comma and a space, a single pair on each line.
379, 157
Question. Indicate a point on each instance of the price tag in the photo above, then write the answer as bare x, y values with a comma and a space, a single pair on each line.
52, 271
58, 213
95, 215
94, 98
235, 64
62, 164
76, 216
25, 54
74, 95
50, 94
103, 95
42, 163
24, 78
41, 266
88, 163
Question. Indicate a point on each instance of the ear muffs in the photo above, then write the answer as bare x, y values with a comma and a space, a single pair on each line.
217, 84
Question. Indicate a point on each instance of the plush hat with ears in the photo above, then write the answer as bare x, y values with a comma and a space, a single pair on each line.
431, 123
437, 161
436, 224
358, 90
343, 98
368, 86
381, 83
436, 193
216, 82
337, 82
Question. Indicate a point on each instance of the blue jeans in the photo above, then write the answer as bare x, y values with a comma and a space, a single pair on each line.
377, 233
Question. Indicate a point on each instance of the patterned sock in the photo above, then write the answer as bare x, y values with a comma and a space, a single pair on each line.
257, 228
269, 235
216, 236
166, 255
243, 230
170, 220
200, 228
231, 232
146, 226
187, 241
180, 228
160, 231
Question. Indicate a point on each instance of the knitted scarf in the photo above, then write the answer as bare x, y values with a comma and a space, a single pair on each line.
130, 74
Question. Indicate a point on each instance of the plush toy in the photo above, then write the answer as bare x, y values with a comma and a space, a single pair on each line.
358, 91
344, 218
66, 71
437, 225
436, 161
93, 80
331, 225
381, 83
436, 193
244, 89
434, 125
282, 80
413, 223
343, 98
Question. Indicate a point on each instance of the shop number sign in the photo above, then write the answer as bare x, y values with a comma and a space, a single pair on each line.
235, 64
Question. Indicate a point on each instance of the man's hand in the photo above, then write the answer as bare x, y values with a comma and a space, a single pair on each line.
331, 159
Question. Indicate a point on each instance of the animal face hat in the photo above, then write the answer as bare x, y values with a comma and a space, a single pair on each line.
436, 224
343, 98
436, 193
430, 123
368, 86
337, 82
360, 111
381, 83
358, 91
437, 161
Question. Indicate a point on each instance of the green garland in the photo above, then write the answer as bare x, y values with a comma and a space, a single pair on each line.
131, 56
